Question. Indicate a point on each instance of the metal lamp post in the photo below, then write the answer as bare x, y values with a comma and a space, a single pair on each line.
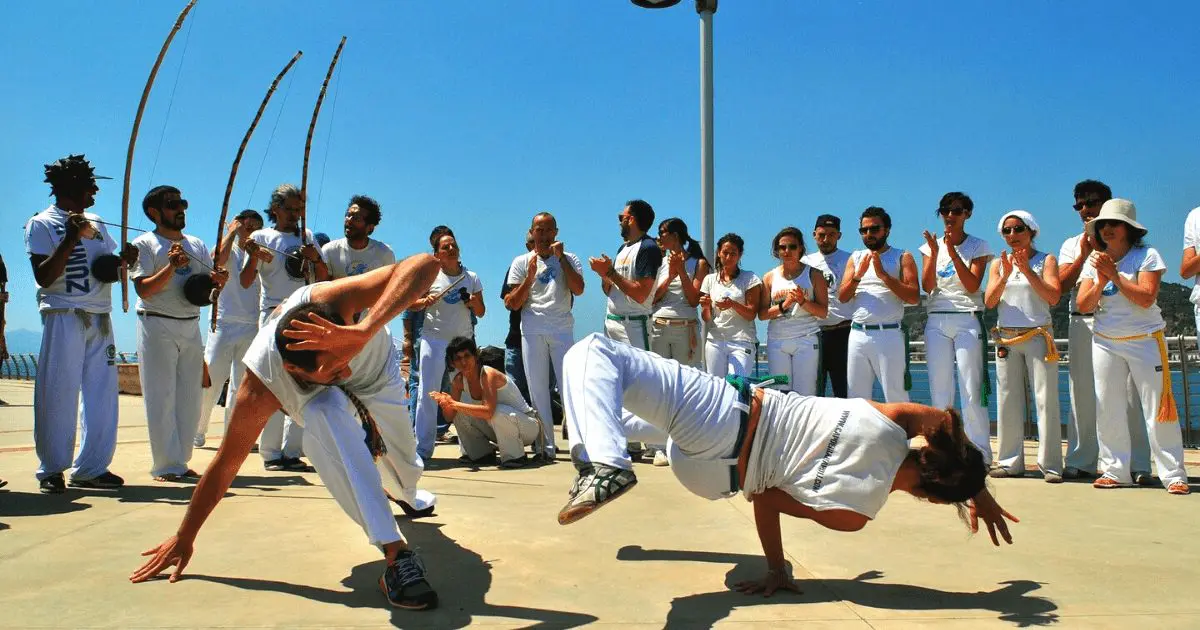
706, 9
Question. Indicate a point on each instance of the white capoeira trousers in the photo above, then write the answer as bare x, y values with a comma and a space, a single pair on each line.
729, 357
952, 342
433, 368
281, 437
540, 354
629, 331
223, 353
1082, 444
596, 376
510, 430
876, 354
1117, 362
335, 442
1026, 362
171, 371
77, 353
799, 359
675, 341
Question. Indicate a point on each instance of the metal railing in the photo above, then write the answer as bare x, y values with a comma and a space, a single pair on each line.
24, 366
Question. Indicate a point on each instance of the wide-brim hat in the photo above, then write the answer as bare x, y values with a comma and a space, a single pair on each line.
1025, 218
1121, 210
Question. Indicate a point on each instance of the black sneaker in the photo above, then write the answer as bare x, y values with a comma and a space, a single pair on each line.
404, 584
53, 484
295, 464
275, 464
103, 481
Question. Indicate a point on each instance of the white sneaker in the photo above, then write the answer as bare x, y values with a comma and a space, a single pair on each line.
198, 441
660, 459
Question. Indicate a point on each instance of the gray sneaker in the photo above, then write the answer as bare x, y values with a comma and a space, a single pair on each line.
594, 488
198, 441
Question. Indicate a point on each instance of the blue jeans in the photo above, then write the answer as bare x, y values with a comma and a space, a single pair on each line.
514, 365
413, 380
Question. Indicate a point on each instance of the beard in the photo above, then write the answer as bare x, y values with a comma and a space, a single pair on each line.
876, 245
180, 222
826, 248
625, 231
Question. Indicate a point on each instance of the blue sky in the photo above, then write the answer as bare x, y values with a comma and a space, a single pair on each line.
478, 114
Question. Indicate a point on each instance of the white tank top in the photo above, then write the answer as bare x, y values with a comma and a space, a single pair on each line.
1020, 306
827, 453
874, 302
795, 322
370, 370
674, 303
508, 395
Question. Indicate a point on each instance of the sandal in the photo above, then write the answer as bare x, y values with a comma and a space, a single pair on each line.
1179, 487
593, 489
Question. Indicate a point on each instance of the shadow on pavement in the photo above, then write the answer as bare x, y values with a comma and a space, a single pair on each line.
14, 504
1011, 601
181, 493
461, 577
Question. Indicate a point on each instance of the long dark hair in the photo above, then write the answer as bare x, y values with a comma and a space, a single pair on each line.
951, 467
691, 246
736, 241
793, 232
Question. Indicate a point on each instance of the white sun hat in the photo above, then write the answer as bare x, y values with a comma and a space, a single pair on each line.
1121, 210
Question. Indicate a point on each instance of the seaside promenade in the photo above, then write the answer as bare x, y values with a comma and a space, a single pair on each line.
278, 552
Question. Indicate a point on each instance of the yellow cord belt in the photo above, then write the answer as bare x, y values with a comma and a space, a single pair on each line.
1042, 331
1167, 410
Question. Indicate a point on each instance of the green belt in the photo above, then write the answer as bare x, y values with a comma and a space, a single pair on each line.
985, 381
634, 318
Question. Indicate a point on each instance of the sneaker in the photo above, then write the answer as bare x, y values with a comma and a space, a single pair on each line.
1052, 477
295, 464
404, 584
53, 484
518, 462
1002, 473
1106, 482
1075, 473
487, 460
275, 465
660, 459
1179, 487
1142, 478
635, 450
198, 441
103, 481
594, 489
423, 504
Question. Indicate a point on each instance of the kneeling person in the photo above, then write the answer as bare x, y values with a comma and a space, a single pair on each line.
323, 374
487, 409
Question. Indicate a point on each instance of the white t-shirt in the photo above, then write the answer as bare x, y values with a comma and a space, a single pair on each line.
796, 322
1020, 306
547, 309
237, 305
1116, 316
345, 261
874, 302
674, 302
1067, 254
449, 317
277, 285
950, 294
727, 325
833, 266
76, 287
152, 256
635, 261
827, 453
370, 370
1191, 239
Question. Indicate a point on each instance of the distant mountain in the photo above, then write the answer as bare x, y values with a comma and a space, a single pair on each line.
23, 341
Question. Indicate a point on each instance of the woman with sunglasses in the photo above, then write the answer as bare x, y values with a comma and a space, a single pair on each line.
729, 301
1120, 284
1023, 286
677, 293
795, 298
952, 270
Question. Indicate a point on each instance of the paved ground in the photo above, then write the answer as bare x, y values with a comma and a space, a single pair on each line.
278, 552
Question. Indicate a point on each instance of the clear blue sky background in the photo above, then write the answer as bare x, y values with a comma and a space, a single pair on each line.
477, 114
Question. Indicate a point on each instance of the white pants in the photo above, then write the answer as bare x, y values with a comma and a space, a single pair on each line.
596, 372
632, 332
729, 357
433, 368
1082, 444
77, 353
335, 441
675, 342
876, 354
171, 371
281, 437
541, 353
799, 358
953, 342
1116, 362
223, 353
1026, 363
510, 430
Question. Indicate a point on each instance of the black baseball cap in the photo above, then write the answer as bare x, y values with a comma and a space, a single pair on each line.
828, 220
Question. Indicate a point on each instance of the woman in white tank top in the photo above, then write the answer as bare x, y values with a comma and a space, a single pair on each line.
487, 410
677, 294
795, 299
1023, 285
729, 301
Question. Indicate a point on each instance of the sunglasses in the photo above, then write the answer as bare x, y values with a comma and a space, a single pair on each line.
1087, 203
175, 204
1016, 229
870, 229
1107, 223
951, 212
786, 247
621, 218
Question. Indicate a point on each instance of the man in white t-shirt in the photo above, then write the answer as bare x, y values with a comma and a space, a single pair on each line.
173, 281
358, 253
544, 285
279, 275
1191, 260
835, 328
237, 321
74, 266
629, 280
1083, 446
880, 280
342, 381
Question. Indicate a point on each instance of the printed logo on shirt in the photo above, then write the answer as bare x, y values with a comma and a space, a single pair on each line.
549, 274
828, 278
356, 268
77, 274
829, 448
453, 297
185, 270
947, 271
1109, 289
